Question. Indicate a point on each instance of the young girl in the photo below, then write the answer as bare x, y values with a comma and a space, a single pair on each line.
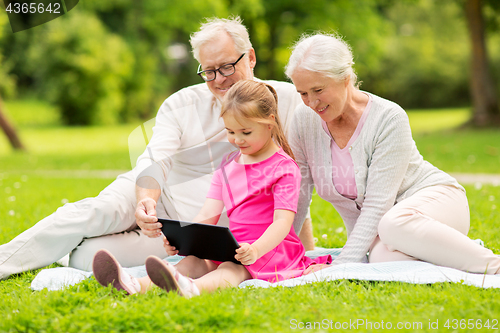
259, 186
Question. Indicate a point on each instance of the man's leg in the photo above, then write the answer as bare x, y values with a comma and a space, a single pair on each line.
56, 235
130, 248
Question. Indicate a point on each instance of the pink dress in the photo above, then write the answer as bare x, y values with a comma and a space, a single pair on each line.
251, 193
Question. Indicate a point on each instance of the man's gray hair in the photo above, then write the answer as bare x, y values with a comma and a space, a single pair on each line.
211, 30
323, 53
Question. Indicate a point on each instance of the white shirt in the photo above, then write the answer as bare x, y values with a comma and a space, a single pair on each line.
188, 142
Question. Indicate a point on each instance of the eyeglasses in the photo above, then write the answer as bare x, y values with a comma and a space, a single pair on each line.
224, 70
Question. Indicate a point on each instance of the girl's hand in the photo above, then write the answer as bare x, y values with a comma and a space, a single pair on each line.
246, 254
171, 251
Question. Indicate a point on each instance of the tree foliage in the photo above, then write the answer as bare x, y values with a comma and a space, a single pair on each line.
82, 68
7, 81
115, 60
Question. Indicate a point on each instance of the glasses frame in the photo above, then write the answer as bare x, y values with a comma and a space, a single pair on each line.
200, 72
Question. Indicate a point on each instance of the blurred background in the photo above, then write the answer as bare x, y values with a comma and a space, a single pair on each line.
115, 61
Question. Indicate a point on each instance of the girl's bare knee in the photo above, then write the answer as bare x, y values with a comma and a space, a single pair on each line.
192, 259
239, 270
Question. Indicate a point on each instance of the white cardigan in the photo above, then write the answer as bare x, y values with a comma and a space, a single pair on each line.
388, 168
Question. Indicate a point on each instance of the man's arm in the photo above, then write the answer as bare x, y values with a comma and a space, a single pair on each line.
147, 192
154, 165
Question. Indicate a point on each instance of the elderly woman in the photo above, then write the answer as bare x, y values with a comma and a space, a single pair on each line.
356, 149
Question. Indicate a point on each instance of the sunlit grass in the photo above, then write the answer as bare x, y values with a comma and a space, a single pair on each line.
431, 121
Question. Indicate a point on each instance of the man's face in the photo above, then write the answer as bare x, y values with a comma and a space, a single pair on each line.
219, 52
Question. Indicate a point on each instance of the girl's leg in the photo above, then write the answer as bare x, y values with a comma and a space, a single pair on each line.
195, 267
432, 226
145, 283
191, 267
228, 274
167, 277
107, 270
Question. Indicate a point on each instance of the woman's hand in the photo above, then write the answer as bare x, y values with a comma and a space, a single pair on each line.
171, 251
246, 254
146, 219
315, 268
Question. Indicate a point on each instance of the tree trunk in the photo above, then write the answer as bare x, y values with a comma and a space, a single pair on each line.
9, 130
485, 104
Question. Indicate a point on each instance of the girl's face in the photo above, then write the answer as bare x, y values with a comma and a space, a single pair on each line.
251, 137
326, 96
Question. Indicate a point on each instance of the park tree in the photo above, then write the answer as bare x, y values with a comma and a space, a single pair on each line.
82, 68
483, 90
275, 25
7, 87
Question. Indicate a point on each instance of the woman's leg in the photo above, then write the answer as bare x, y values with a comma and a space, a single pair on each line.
380, 253
228, 274
432, 226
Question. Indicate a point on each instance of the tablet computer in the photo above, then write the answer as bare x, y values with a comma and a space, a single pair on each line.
204, 241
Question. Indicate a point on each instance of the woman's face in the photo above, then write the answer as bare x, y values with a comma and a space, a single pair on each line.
326, 96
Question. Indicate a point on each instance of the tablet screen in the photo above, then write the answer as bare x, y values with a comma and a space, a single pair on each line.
204, 241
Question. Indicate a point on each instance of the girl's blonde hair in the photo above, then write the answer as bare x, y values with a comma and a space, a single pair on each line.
257, 101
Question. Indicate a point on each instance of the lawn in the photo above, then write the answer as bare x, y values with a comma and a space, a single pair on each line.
67, 164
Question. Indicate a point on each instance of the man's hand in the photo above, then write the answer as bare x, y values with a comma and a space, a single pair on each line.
146, 219
147, 191
171, 251
246, 254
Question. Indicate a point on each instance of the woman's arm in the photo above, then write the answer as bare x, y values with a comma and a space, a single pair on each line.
247, 254
297, 142
386, 171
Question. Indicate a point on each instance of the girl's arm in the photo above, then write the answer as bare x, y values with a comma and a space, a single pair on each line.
209, 214
247, 254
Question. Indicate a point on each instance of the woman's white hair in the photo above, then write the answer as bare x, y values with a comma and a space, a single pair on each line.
211, 30
323, 53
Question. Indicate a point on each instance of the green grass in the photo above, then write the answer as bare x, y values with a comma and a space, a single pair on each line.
27, 194
426, 121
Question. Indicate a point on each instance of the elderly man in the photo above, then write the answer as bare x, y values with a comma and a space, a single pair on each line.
171, 177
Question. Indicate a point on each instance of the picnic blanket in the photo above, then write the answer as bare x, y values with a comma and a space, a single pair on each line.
416, 272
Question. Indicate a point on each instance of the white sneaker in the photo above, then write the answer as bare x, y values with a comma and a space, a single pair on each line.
107, 270
166, 276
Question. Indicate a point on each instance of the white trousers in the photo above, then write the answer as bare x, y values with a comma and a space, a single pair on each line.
432, 226
73, 226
